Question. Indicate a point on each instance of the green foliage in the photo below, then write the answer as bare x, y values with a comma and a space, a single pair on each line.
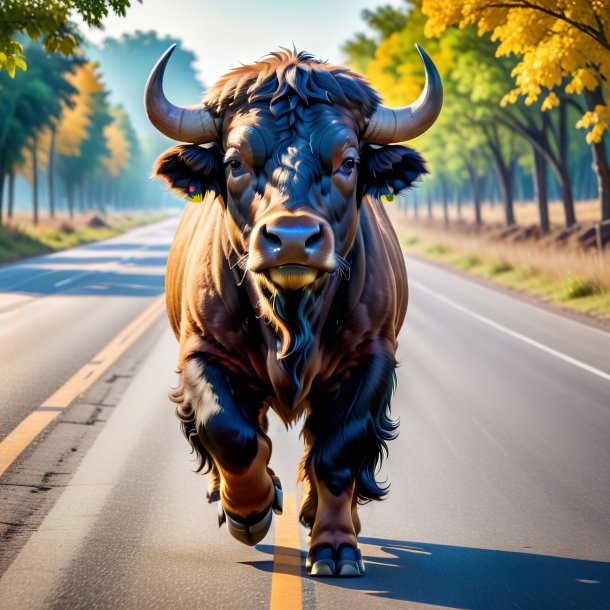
47, 20
31, 102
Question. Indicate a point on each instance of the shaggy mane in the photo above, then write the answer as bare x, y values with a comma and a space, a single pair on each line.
294, 77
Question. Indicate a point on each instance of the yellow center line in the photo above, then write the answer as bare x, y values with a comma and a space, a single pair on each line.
21, 436
286, 589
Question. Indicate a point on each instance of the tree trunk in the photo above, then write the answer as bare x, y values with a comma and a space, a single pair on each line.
565, 185
35, 178
542, 189
11, 193
444, 199
600, 157
1, 194
429, 203
70, 199
51, 174
506, 185
458, 201
476, 193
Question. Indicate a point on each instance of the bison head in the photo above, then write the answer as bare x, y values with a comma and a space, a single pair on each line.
290, 146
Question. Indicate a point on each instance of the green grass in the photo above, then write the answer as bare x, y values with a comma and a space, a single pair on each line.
499, 266
436, 249
578, 287
468, 262
18, 243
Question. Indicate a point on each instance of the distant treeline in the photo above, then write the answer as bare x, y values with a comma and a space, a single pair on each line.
67, 128
522, 118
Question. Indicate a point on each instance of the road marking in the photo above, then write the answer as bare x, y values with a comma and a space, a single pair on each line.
512, 333
483, 284
19, 438
286, 586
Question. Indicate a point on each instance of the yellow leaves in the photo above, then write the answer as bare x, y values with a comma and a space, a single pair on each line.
551, 101
72, 128
440, 14
599, 119
13, 58
581, 80
566, 48
119, 148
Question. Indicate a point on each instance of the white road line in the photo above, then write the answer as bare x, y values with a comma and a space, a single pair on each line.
522, 303
511, 333
73, 278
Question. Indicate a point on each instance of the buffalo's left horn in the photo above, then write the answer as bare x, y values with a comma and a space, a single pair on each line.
193, 124
390, 125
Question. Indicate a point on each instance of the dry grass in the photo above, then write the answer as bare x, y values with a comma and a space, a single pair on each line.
20, 239
526, 213
562, 273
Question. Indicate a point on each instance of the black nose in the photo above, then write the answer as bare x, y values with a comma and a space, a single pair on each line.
296, 236
292, 239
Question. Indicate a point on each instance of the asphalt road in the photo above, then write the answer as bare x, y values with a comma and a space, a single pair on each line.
500, 476
58, 311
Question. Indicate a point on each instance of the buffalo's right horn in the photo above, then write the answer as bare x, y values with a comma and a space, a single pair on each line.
193, 124
389, 125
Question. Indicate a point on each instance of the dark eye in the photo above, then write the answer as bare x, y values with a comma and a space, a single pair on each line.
349, 164
235, 164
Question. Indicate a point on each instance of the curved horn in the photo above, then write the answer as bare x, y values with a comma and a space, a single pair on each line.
193, 124
390, 125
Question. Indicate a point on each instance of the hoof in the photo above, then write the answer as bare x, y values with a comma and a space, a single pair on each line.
348, 560
213, 497
344, 562
278, 500
321, 560
252, 529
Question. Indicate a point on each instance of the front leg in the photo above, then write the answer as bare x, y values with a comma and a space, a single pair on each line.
226, 425
350, 429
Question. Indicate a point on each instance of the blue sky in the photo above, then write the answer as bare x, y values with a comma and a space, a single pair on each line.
224, 33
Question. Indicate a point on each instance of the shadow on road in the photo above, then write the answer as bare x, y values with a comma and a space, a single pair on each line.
123, 246
480, 579
156, 261
92, 283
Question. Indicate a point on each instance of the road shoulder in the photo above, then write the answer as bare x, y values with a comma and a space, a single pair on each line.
32, 485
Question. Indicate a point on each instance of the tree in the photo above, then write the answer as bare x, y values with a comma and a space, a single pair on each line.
561, 45
47, 20
80, 141
30, 104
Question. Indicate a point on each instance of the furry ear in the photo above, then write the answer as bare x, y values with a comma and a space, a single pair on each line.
387, 170
191, 171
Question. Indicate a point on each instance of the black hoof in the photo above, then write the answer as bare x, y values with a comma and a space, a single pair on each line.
213, 497
278, 500
348, 560
320, 560
345, 561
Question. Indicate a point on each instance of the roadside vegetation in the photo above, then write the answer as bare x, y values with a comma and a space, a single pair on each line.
21, 239
558, 271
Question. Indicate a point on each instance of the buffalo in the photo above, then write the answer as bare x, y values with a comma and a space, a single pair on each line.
286, 286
